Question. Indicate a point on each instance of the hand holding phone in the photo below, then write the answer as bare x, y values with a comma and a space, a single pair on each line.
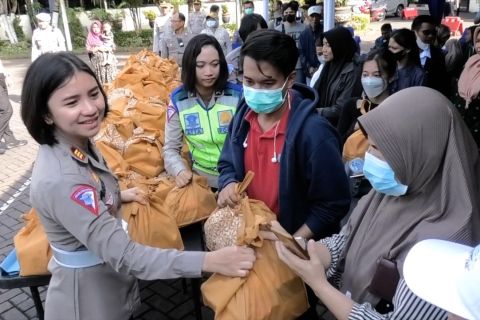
297, 246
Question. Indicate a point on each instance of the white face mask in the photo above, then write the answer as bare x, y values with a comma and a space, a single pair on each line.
373, 86
211, 23
422, 45
321, 59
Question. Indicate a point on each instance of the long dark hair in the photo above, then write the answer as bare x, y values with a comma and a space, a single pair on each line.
189, 62
45, 75
407, 39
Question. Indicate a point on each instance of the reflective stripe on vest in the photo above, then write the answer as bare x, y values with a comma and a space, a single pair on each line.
205, 130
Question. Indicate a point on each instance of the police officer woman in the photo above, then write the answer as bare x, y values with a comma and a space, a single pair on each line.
95, 264
200, 110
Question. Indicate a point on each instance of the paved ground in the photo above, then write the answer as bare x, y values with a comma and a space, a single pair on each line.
161, 299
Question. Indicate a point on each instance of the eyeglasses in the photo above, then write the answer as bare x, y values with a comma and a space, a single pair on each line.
431, 32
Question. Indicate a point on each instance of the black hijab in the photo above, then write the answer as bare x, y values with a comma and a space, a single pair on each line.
343, 49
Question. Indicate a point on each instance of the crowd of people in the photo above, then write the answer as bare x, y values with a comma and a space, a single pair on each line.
286, 103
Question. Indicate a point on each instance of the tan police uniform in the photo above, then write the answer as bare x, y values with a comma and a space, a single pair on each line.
78, 201
173, 45
196, 22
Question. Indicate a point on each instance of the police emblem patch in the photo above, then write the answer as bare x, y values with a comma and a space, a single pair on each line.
224, 118
86, 196
192, 124
170, 112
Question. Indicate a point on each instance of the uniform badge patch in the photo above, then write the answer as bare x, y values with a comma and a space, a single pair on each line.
224, 118
86, 196
192, 124
170, 112
77, 153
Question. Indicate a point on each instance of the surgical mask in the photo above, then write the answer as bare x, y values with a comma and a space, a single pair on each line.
422, 45
381, 176
373, 86
264, 100
248, 10
321, 58
211, 23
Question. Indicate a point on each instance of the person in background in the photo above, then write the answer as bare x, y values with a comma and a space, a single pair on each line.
277, 15
419, 161
200, 112
249, 23
454, 62
378, 70
173, 44
7, 138
248, 8
432, 58
277, 134
106, 73
95, 264
469, 91
213, 28
409, 70
161, 26
46, 38
436, 9
293, 28
321, 61
443, 34
108, 43
335, 85
308, 37
196, 19
382, 41
214, 11
466, 41
446, 274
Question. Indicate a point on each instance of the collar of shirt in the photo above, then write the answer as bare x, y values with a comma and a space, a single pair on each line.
424, 55
252, 119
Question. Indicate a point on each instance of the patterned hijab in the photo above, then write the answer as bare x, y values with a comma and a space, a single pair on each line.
430, 149
93, 39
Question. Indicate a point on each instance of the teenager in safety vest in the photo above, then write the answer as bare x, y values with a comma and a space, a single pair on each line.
200, 111
95, 264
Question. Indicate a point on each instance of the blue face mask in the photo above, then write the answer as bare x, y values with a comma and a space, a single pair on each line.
264, 100
248, 10
382, 177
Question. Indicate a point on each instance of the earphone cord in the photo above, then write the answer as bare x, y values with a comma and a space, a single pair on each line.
274, 159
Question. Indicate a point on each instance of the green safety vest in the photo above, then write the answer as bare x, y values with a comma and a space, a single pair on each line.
205, 130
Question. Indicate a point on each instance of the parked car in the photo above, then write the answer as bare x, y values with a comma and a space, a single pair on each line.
377, 9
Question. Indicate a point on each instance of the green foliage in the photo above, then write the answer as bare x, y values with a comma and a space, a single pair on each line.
224, 9
77, 31
18, 29
15, 50
231, 28
134, 39
341, 3
149, 14
360, 22
101, 15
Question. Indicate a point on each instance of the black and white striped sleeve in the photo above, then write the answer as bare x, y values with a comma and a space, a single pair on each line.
335, 245
407, 306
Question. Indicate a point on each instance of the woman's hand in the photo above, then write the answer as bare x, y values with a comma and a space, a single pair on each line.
311, 271
183, 178
231, 261
228, 196
133, 194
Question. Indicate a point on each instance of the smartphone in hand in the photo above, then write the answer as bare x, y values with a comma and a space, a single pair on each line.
297, 246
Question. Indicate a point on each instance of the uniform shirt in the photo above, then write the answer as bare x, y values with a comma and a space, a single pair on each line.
78, 202
196, 22
161, 26
260, 149
173, 45
47, 40
222, 37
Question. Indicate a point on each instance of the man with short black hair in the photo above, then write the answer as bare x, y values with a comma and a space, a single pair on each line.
173, 44
308, 52
431, 57
382, 41
196, 19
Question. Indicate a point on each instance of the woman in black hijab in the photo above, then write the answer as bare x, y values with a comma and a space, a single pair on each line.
336, 83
